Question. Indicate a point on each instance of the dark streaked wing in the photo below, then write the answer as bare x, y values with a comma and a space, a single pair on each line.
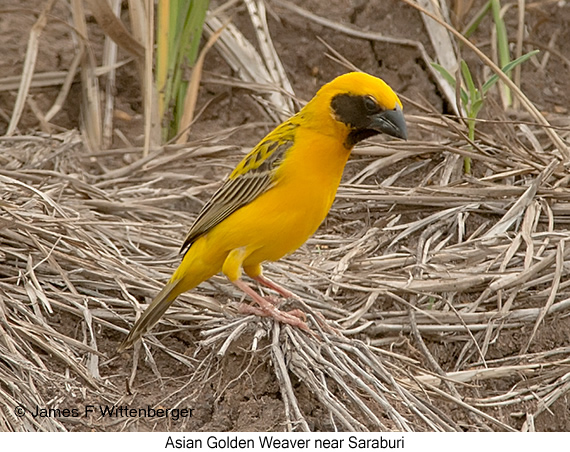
243, 188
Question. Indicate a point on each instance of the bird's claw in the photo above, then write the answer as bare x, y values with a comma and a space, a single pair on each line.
294, 317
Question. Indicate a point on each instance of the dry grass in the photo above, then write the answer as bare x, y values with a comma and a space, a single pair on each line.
419, 256
452, 259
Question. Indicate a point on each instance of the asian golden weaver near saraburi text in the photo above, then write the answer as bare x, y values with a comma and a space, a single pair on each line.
279, 194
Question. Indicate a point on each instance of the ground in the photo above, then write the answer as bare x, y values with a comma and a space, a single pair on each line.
232, 399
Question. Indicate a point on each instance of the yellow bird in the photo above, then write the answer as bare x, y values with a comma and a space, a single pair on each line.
279, 194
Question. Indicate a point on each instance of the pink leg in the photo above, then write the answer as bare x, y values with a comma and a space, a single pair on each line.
269, 310
276, 287
281, 291
245, 308
288, 294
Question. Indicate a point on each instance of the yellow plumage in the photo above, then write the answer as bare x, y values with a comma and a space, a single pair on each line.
280, 193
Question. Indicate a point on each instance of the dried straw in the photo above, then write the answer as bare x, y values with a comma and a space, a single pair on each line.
442, 258
413, 257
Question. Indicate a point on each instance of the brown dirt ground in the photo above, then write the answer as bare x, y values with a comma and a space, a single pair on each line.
254, 402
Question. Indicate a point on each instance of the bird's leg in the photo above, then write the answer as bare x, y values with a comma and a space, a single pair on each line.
232, 269
268, 309
281, 291
256, 274
276, 287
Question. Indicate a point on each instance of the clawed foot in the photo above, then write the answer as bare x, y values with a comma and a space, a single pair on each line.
275, 301
294, 317
268, 306
320, 318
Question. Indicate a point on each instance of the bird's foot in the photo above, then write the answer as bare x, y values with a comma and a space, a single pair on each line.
275, 301
294, 317
267, 308
320, 318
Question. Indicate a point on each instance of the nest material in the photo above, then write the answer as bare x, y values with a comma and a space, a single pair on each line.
420, 255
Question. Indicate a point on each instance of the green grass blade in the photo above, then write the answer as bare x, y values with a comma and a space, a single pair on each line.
466, 73
451, 80
476, 108
472, 26
189, 43
502, 46
179, 30
445, 73
501, 29
508, 68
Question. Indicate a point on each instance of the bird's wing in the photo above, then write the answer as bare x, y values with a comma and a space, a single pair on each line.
253, 176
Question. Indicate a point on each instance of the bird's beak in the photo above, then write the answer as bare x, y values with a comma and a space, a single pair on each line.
390, 122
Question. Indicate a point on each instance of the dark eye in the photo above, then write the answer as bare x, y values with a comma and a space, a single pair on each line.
370, 105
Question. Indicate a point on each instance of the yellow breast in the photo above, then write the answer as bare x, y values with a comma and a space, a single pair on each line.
283, 218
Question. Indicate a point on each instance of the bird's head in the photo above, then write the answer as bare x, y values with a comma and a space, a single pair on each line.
363, 106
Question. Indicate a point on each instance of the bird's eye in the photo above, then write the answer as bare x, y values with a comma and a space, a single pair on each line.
370, 105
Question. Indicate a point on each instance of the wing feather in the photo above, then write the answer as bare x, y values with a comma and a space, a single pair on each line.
253, 176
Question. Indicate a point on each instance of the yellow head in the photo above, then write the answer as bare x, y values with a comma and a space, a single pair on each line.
359, 105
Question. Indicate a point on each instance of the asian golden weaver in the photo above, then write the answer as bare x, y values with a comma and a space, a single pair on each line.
279, 194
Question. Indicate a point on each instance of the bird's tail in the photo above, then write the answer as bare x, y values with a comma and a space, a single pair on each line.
153, 313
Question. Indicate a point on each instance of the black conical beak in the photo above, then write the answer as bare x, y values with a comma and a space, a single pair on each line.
390, 122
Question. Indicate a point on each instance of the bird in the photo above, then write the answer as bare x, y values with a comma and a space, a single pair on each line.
278, 195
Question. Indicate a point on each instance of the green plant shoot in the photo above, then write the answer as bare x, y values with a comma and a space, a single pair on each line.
472, 98
179, 29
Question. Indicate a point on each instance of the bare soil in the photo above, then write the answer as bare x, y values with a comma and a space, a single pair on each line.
231, 400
